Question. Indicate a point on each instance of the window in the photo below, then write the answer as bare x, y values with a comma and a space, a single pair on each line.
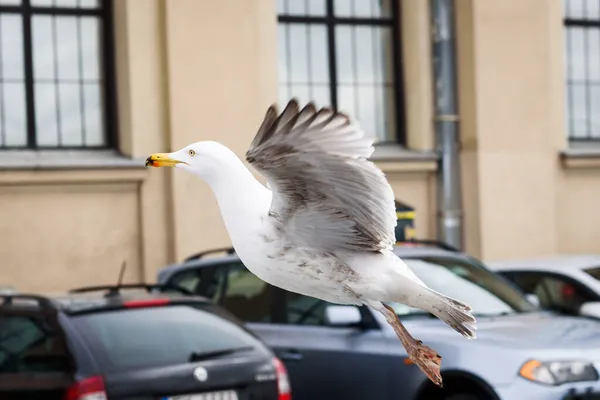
305, 310
56, 81
593, 272
156, 337
206, 281
582, 25
31, 345
556, 292
248, 297
344, 54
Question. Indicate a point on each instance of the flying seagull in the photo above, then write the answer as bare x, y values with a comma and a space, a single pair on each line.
324, 225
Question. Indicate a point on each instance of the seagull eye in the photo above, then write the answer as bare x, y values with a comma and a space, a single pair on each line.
192, 153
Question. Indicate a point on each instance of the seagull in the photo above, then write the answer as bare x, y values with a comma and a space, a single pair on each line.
323, 225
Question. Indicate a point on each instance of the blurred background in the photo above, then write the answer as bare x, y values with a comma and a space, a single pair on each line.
89, 88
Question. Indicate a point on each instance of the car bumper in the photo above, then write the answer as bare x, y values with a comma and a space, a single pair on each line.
522, 389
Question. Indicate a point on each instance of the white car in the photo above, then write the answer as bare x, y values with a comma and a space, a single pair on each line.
568, 284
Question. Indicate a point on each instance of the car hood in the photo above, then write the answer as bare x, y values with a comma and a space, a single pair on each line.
531, 330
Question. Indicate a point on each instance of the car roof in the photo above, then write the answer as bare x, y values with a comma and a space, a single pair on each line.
550, 263
89, 299
402, 250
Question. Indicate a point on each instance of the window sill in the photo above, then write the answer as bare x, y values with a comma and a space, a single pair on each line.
66, 160
588, 157
395, 158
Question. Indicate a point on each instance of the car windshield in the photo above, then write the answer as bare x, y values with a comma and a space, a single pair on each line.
129, 339
593, 272
466, 281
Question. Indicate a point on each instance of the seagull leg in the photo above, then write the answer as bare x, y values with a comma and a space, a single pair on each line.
427, 359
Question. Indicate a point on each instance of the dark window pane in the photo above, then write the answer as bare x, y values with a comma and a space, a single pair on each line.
593, 272
15, 122
304, 310
207, 281
156, 337
554, 292
248, 297
29, 345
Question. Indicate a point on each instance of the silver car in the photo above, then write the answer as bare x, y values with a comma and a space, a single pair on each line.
346, 352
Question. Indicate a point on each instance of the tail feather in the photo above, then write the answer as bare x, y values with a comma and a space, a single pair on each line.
455, 313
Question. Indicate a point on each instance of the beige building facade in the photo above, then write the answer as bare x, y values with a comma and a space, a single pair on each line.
190, 70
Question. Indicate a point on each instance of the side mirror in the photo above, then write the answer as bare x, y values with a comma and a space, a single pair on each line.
342, 316
533, 299
590, 309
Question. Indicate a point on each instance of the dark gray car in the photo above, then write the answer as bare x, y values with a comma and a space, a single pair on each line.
345, 352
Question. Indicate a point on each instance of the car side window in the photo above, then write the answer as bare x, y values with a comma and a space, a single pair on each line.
204, 281
305, 310
30, 345
248, 297
554, 291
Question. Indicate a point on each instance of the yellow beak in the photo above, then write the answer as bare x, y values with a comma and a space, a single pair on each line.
161, 160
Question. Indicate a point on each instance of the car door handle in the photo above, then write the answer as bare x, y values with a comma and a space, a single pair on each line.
290, 355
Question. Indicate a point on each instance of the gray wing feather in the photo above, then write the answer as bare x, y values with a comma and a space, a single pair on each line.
326, 194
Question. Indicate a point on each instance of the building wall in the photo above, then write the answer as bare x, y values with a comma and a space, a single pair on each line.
189, 70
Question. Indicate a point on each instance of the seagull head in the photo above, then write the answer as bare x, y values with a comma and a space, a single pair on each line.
204, 159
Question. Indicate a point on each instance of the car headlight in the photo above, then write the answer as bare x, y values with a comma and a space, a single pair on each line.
558, 372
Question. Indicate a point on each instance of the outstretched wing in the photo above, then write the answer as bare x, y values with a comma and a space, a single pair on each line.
326, 194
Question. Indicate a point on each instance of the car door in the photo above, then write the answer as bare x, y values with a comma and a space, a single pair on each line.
555, 291
326, 362
321, 360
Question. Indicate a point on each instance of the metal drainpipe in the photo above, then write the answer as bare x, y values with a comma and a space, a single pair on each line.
449, 199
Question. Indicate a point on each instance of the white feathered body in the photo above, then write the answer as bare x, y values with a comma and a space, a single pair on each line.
341, 277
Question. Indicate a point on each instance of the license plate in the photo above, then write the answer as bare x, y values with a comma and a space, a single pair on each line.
225, 395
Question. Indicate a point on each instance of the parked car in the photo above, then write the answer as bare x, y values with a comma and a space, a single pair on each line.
347, 352
121, 342
568, 284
